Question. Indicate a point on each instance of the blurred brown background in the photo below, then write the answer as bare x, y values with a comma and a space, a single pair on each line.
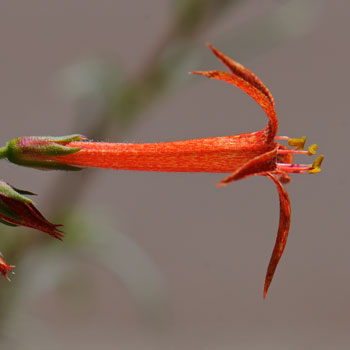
169, 261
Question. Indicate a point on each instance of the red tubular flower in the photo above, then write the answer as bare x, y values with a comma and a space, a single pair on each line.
244, 155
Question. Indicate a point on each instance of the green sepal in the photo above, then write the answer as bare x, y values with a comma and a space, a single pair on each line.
7, 191
24, 191
31, 151
63, 139
49, 165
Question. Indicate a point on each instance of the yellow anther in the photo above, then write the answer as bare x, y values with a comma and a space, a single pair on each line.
297, 143
316, 166
312, 150
315, 171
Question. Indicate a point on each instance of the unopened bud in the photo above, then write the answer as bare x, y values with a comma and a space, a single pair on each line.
34, 151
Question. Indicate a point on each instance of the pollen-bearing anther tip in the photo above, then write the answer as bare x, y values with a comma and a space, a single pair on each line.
312, 150
299, 144
316, 166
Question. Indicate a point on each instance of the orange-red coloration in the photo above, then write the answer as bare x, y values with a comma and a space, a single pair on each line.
245, 155
4, 268
215, 155
282, 234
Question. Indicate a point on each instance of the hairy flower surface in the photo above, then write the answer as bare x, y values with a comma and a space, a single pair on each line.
244, 155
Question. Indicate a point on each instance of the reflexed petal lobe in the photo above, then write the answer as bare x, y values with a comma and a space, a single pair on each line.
253, 92
283, 231
243, 72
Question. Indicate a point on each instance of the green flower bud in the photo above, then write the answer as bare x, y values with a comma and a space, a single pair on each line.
34, 151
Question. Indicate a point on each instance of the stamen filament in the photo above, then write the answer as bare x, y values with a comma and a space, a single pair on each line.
288, 151
282, 137
294, 168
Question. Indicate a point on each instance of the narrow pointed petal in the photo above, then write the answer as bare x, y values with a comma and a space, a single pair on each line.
260, 97
259, 165
42, 224
244, 73
29, 216
282, 234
